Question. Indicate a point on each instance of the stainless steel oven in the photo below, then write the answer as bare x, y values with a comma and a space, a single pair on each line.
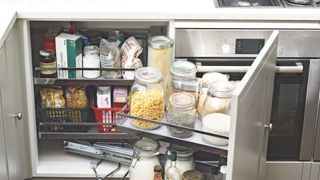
296, 85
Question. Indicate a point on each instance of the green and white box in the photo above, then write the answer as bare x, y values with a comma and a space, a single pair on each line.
69, 55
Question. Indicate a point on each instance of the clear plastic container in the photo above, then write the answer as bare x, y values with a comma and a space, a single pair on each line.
181, 111
218, 99
144, 160
147, 98
185, 159
160, 55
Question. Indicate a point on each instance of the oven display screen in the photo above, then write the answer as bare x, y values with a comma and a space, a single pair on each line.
249, 46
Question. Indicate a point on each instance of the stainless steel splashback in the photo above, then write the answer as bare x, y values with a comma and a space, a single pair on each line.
222, 42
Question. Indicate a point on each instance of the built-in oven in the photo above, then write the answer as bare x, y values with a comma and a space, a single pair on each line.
296, 85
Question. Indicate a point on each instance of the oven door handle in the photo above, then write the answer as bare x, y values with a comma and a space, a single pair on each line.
242, 69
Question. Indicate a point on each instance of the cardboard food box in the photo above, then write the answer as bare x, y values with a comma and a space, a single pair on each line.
69, 55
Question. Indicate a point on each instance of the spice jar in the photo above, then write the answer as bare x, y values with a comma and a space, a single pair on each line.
144, 160
91, 60
185, 159
192, 175
218, 98
160, 55
48, 60
181, 111
147, 98
183, 77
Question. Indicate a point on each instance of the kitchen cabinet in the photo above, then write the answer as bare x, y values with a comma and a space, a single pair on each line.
11, 104
250, 113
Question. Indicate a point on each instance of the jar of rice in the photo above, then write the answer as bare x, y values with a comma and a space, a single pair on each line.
147, 98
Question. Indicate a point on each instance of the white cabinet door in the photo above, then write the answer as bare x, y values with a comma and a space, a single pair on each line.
11, 92
3, 158
251, 109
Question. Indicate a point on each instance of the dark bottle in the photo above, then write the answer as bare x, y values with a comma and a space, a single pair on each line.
157, 173
48, 60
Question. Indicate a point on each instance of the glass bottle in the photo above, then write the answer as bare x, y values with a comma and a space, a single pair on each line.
147, 98
172, 173
157, 173
48, 60
218, 99
91, 60
181, 111
185, 159
144, 160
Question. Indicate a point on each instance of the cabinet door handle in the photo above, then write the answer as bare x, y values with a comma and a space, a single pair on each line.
17, 116
269, 127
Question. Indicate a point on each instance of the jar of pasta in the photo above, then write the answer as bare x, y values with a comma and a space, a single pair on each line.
147, 98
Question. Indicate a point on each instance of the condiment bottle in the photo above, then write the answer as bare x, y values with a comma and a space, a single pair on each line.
160, 55
181, 111
91, 60
48, 60
218, 99
185, 159
157, 173
144, 160
172, 173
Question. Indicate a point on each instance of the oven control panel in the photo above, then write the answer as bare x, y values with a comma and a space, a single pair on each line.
249, 46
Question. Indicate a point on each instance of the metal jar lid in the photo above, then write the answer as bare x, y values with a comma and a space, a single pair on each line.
160, 42
184, 69
192, 175
182, 101
148, 75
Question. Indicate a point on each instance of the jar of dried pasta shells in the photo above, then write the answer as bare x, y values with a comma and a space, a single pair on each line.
147, 98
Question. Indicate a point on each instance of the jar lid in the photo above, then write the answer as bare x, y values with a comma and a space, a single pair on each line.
192, 175
148, 75
182, 151
221, 89
146, 147
91, 50
157, 168
182, 100
160, 42
47, 52
184, 69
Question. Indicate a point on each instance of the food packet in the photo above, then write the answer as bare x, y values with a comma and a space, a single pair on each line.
109, 58
130, 50
76, 97
52, 98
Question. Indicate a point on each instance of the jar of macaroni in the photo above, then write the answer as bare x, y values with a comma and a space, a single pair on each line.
147, 98
218, 99
160, 55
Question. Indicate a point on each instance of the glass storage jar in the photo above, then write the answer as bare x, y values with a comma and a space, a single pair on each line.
218, 99
160, 55
181, 111
185, 159
183, 77
91, 60
147, 98
144, 160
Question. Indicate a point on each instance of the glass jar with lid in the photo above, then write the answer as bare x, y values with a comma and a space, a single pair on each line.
185, 159
48, 60
183, 77
144, 160
181, 111
160, 55
91, 60
218, 99
147, 98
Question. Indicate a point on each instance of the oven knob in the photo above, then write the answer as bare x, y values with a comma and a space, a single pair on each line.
226, 48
